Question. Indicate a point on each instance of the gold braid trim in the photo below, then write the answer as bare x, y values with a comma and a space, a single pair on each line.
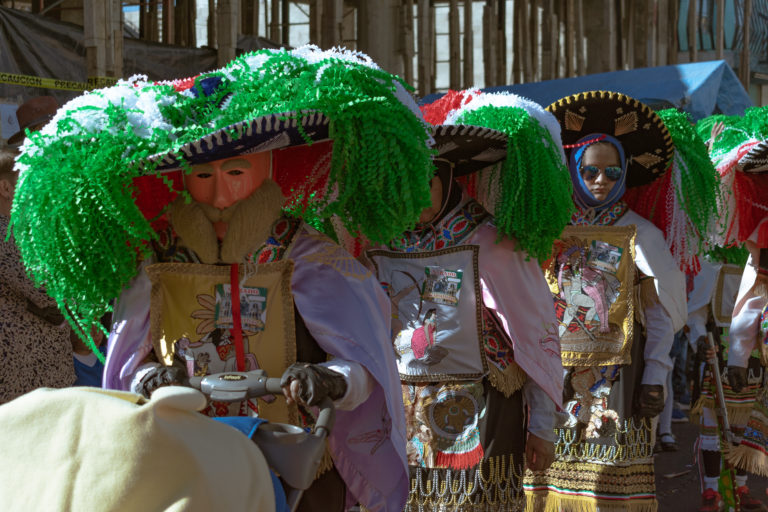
508, 380
495, 485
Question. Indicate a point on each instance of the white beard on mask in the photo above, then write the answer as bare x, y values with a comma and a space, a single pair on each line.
249, 224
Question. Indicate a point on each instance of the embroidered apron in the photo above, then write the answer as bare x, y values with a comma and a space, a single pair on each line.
191, 320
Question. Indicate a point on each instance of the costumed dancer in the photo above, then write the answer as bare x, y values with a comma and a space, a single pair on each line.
620, 297
187, 179
739, 151
468, 279
683, 205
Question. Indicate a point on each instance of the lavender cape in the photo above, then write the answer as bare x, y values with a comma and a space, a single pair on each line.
347, 312
516, 290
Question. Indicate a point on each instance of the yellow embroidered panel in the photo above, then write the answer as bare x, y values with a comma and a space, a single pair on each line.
591, 277
191, 319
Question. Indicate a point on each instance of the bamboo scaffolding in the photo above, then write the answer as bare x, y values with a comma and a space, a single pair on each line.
454, 45
469, 46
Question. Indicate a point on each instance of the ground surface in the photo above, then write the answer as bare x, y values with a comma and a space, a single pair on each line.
681, 493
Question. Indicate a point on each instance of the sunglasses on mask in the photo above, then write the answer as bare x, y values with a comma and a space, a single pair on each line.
590, 172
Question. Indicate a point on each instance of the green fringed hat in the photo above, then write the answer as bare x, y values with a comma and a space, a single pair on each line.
511, 147
348, 143
646, 141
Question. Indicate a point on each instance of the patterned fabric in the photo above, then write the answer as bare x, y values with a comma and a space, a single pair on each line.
606, 217
34, 353
453, 230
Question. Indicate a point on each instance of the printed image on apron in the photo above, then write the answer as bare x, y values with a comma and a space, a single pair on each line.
591, 277
436, 315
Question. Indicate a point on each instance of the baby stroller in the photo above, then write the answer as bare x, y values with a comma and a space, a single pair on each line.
290, 451
92, 449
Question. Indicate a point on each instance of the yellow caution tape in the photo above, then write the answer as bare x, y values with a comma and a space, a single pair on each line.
94, 82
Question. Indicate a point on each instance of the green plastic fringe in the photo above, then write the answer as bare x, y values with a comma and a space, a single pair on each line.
535, 186
74, 218
699, 186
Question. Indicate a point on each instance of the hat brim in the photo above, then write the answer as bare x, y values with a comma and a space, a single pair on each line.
18, 137
756, 160
469, 148
646, 141
264, 133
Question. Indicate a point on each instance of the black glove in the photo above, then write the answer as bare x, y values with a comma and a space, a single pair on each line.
650, 400
737, 378
315, 382
161, 376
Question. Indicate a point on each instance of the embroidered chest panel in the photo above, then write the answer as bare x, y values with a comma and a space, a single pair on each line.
454, 230
606, 218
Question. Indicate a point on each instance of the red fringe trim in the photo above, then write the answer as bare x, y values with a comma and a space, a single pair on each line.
464, 460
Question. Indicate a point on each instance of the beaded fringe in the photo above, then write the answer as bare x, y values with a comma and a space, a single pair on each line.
551, 502
508, 380
495, 485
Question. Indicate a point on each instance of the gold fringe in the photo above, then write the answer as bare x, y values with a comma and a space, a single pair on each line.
738, 414
749, 459
326, 463
543, 501
507, 381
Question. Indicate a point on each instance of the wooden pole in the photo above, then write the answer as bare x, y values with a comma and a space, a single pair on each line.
142, 19
227, 25
693, 31
720, 36
529, 48
662, 37
315, 12
433, 45
212, 39
274, 21
408, 41
424, 48
518, 45
744, 64
674, 44
454, 45
168, 24
537, 40
469, 48
286, 19
581, 51
570, 38
330, 22
501, 42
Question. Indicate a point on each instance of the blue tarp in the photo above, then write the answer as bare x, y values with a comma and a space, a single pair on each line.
700, 88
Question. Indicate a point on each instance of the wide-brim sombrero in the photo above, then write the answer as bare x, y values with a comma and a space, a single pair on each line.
469, 148
646, 141
756, 160
264, 133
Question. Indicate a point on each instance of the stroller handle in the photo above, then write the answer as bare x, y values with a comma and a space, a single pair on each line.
239, 386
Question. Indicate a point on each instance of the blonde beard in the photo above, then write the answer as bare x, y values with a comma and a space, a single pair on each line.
249, 224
